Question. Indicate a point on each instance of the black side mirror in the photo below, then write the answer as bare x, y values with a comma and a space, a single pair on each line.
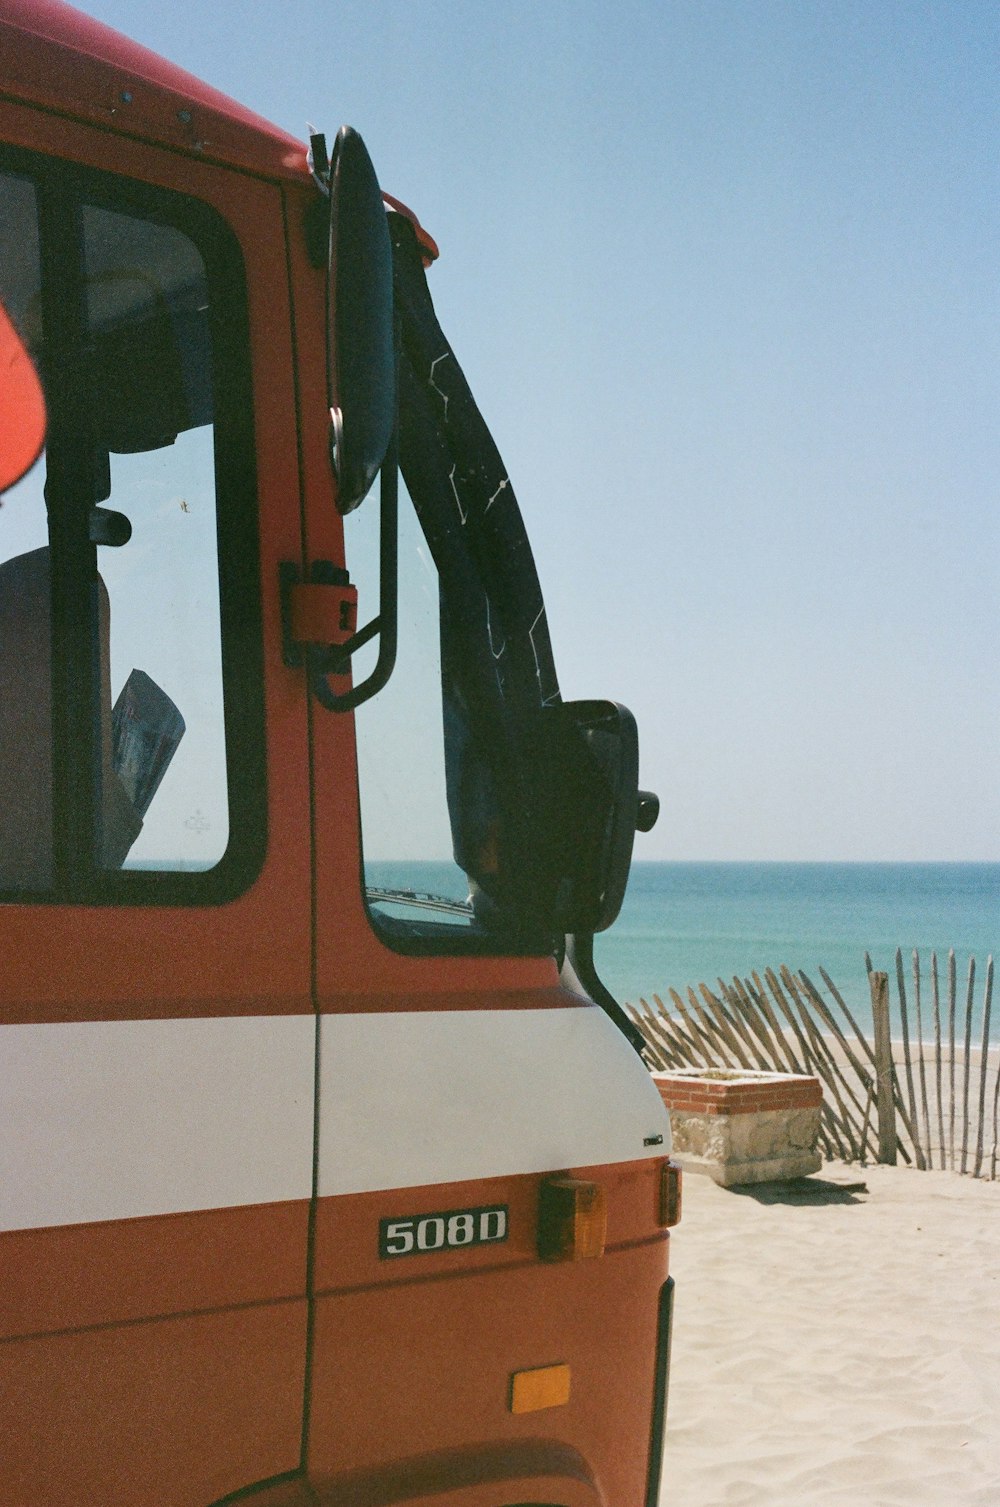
587, 810
361, 361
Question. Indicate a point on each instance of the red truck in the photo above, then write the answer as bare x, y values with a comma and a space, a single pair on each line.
318, 1184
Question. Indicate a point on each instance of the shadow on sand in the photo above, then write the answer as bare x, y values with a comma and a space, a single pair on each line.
814, 1191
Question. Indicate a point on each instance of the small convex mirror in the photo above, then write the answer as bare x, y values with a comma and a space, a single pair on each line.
361, 364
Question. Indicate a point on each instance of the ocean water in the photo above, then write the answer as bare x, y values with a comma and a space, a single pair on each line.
687, 923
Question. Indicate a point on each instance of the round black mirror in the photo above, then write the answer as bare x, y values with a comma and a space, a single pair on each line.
361, 362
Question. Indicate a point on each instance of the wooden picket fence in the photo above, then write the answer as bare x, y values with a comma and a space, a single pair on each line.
933, 1099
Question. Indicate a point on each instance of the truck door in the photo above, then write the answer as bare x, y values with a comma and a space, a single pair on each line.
435, 1030
156, 1029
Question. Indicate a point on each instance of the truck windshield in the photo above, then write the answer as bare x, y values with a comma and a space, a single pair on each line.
447, 829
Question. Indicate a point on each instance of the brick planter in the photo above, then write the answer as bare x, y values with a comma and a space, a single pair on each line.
743, 1127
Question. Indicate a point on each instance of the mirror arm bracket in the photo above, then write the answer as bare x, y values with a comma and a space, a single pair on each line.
580, 957
358, 640
384, 624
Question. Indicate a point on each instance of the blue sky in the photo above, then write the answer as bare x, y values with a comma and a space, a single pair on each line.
724, 278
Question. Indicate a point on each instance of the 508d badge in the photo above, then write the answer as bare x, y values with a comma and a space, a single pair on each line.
454, 1229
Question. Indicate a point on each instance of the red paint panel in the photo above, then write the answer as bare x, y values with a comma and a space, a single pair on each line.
251, 955
58, 57
295, 1493
406, 1371
126, 1269
530, 1472
175, 1413
355, 970
347, 1226
429, 1341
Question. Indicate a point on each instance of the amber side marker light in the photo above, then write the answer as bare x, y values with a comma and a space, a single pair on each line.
572, 1220
671, 1178
542, 1387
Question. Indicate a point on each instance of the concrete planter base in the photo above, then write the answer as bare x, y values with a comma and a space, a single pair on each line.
743, 1127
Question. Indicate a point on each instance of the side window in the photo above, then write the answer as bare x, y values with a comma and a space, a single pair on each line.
147, 302
117, 748
413, 883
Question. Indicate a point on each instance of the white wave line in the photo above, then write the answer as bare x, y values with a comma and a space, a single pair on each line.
501, 488
458, 501
545, 700
442, 395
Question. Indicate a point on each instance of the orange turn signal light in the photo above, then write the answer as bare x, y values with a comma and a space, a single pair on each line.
572, 1220
670, 1194
542, 1387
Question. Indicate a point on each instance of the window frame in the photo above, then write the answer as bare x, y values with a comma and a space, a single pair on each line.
61, 185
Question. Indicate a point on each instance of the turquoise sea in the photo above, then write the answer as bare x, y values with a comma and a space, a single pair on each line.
686, 923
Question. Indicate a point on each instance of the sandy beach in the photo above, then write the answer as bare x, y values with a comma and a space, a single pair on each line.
837, 1341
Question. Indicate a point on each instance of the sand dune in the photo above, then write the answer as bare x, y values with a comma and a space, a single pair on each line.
838, 1349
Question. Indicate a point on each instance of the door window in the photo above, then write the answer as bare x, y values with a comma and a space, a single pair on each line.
117, 720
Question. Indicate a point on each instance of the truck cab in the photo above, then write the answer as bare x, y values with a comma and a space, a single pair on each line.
329, 1174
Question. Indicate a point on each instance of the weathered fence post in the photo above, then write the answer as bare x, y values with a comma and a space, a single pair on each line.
967, 1068
879, 983
918, 1154
984, 1064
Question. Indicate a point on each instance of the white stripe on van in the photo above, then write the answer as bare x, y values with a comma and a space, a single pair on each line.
121, 1119
117, 1119
441, 1096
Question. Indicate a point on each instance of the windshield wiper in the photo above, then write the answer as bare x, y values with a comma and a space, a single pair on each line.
420, 900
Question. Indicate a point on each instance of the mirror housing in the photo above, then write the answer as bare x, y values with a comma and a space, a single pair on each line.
361, 360
586, 811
